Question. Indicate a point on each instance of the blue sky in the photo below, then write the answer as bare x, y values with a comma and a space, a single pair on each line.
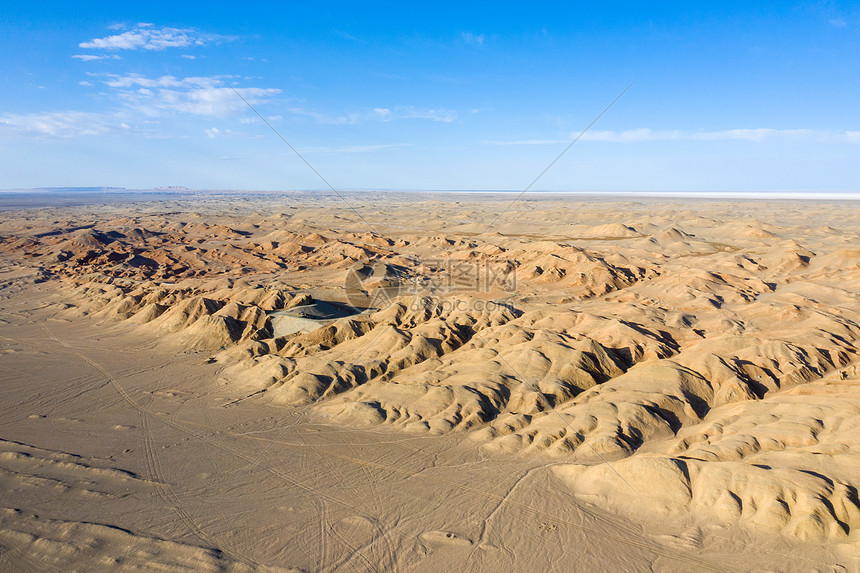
728, 96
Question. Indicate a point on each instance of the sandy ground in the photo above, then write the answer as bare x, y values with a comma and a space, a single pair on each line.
574, 385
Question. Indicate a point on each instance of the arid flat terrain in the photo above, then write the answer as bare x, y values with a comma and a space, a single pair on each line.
430, 382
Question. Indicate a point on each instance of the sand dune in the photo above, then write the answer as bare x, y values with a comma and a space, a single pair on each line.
689, 370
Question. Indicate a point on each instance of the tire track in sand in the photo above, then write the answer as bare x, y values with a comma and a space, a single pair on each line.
314, 490
163, 489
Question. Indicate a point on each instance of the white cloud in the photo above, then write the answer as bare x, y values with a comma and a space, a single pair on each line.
195, 95
189, 57
210, 101
325, 118
753, 135
90, 57
382, 113
633, 135
355, 148
63, 124
443, 115
131, 80
756, 135
215, 132
527, 142
471, 38
145, 36
345, 35
207, 95
379, 114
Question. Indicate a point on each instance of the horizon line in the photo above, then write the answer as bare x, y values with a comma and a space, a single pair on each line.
178, 189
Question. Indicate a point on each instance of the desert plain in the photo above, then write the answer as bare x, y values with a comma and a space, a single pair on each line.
429, 382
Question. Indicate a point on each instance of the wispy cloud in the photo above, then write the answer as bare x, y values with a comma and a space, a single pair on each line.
756, 135
345, 35
219, 132
355, 148
132, 80
436, 114
197, 95
334, 119
472, 38
145, 36
62, 125
91, 57
526, 142
378, 114
213, 132
209, 101
753, 135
